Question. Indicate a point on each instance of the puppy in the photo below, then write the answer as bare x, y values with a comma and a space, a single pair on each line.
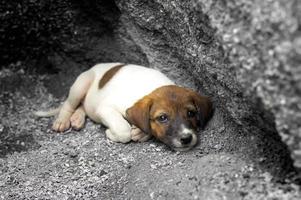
134, 103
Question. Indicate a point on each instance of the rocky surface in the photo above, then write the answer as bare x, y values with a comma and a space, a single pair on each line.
243, 54
36, 163
262, 41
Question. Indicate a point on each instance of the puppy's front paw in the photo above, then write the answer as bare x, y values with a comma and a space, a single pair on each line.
139, 136
111, 136
123, 137
61, 125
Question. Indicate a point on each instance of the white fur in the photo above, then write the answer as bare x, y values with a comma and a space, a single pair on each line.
48, 113
127, 86
185, 131
108, 105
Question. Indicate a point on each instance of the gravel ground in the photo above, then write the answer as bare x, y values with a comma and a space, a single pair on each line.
245, 55
36, 163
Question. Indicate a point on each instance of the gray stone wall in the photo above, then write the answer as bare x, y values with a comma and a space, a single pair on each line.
244, 54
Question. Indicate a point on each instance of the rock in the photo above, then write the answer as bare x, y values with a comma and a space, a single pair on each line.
244, 55
240, 54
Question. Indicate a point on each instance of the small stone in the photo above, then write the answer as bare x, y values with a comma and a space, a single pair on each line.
153, 166
267, 177
246, 176
297, 152
152, 195
243, 193
262, 159
297, 45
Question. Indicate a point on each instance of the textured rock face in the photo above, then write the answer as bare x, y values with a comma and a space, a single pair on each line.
262, 42
243, 54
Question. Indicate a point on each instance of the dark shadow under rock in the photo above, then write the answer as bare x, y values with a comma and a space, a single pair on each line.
10, 142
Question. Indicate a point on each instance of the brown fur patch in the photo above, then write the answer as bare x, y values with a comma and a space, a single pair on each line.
173, 101
139, 114
108, 75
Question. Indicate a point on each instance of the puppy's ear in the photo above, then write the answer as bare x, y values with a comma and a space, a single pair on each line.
204, 106
138, 114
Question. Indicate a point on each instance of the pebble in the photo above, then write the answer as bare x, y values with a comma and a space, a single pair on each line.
158, 149
153, 166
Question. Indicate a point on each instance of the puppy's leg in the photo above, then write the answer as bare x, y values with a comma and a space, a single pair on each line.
76, 94
139, 136
78, 118
119, 130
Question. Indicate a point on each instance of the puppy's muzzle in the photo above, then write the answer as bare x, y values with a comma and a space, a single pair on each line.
185, 140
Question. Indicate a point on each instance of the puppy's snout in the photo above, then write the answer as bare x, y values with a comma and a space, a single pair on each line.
186, 139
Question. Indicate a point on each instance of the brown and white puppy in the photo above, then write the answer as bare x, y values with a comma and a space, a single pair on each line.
134, 103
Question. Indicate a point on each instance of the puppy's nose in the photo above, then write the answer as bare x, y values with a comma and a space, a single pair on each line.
186, 139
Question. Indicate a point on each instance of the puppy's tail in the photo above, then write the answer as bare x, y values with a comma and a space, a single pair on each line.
48, 113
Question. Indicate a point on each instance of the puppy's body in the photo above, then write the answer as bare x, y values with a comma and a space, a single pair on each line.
134, 103
123, 90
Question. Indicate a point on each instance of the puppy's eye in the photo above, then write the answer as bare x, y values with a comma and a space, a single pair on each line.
191, 113
162, 118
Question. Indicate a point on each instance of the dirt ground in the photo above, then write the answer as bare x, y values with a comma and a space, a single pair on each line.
37, 163
243, 54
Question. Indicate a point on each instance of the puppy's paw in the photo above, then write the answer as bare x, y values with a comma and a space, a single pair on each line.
139, 136
77, 120
123, 137
111, 136
61, 125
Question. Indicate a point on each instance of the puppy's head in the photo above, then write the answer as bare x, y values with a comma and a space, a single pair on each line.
172, 114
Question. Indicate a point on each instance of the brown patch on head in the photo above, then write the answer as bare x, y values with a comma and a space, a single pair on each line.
181, 105
108, 75
164, 112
